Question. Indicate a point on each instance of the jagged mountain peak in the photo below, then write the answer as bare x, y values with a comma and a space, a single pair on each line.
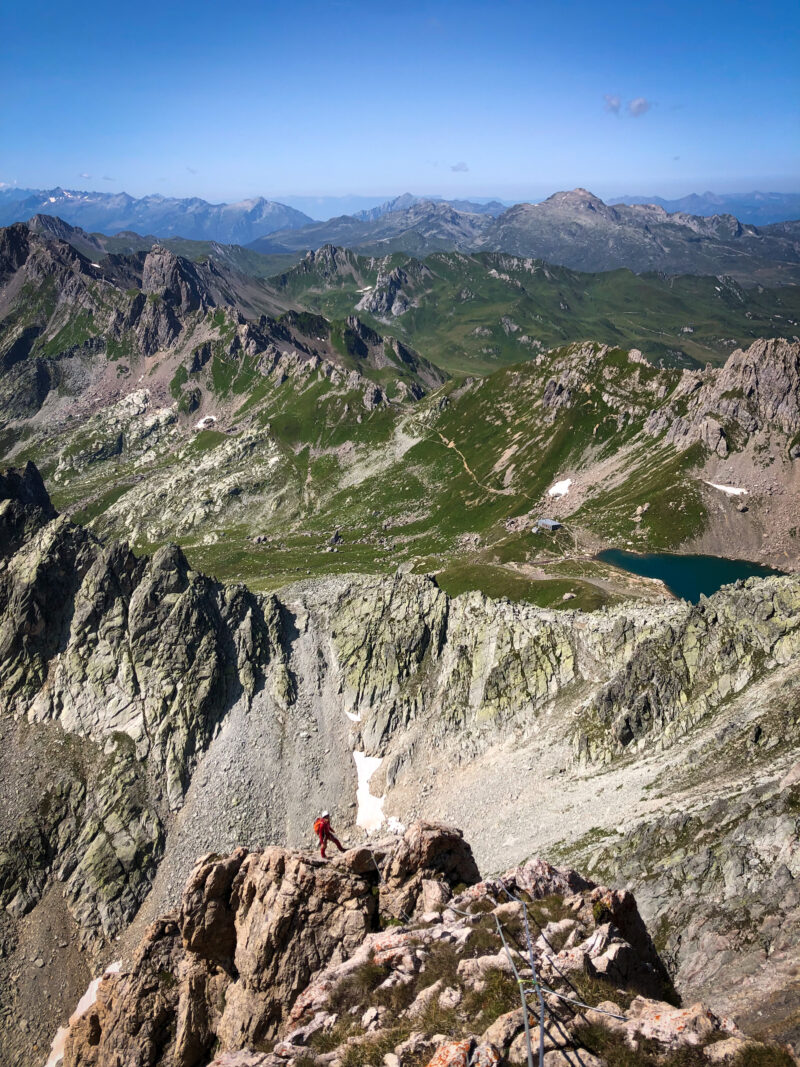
175, 280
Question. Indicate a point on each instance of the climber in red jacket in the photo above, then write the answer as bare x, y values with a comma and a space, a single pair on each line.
322, 828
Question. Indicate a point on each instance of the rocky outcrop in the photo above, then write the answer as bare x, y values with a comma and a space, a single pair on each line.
757, 390
174, 280
252, 931
388, 298
683, 671
67, 319
429, 861
276, 945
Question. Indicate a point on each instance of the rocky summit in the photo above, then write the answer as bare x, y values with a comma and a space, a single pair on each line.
396, 953
151, 714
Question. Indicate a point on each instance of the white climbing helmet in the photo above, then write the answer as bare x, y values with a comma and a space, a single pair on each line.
326, 815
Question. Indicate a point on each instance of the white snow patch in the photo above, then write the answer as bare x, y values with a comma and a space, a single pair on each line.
351, 715
87, 1000
95, 264
369, 814
731, 490
206, 423
560, 488
366, 289
273, 461
394, 826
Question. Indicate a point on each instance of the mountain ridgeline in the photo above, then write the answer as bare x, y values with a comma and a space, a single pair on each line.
572, 229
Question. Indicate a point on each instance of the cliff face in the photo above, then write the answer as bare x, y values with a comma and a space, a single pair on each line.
150, 713
755, 392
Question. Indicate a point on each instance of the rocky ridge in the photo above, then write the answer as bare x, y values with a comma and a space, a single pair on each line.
82, 328
275, 957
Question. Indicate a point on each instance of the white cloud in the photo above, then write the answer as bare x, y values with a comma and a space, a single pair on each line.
613, 103
459, 167
83, 174
638, 106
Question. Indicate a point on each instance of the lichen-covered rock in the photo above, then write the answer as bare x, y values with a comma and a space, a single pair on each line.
758, 388
451, 1054
133, 1015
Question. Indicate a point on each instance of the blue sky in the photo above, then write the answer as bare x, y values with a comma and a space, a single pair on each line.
513, 99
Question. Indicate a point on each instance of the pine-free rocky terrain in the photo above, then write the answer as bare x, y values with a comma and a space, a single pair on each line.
269, 545
403, 956
151, 714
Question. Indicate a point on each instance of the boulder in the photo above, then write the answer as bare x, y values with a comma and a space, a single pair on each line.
252, 930
427, 851
452, 1054
506, 1027
134, 1008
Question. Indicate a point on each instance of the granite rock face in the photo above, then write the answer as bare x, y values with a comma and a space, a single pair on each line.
138, 659
252, 931
757, 390
276, 945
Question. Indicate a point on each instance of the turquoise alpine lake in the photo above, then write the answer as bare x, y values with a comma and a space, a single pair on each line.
685, 576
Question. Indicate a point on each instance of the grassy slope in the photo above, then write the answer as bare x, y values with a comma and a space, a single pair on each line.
460, 305
431, 484
427, 509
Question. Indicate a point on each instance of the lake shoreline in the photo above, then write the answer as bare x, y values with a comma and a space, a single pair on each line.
685, 576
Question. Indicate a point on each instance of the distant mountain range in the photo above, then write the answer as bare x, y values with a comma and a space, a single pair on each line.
163, 216
418, 227
573, 229
408, 200
761, 209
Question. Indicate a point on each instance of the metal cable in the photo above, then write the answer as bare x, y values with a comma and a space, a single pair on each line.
580, 1003
529, 1047
561, 996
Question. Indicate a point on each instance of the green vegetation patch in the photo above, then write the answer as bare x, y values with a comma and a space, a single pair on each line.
498, 582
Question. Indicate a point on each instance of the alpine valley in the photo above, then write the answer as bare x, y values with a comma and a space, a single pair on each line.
272, 542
